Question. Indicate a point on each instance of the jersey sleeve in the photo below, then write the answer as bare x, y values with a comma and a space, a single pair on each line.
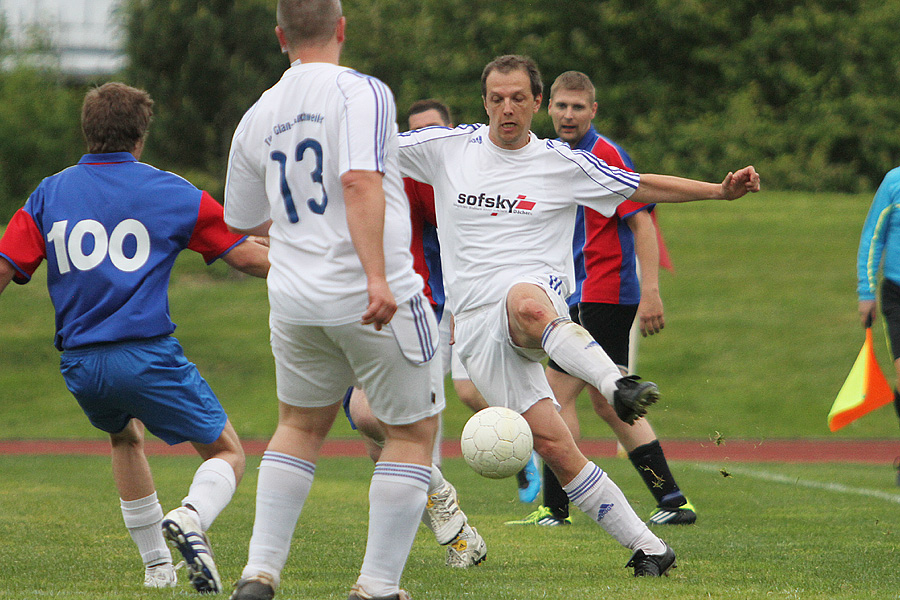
368, 122
614, 157
246, 201
211, 237
595, 184
23, 246
421, 201
419, 150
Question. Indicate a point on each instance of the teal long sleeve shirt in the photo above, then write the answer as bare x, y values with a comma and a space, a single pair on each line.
880, 238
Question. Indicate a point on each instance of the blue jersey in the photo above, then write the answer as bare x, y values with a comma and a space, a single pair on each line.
880, 238
110, 229
624, 287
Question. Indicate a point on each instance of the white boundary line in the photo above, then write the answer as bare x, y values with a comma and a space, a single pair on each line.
778, 478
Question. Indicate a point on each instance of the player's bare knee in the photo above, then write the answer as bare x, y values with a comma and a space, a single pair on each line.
553, 452
131, 437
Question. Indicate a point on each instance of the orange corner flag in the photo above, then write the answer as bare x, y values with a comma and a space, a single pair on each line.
864, 390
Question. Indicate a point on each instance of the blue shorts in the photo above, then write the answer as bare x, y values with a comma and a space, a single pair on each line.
149, 380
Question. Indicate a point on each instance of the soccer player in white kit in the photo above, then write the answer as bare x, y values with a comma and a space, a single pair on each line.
313, 164
505, 204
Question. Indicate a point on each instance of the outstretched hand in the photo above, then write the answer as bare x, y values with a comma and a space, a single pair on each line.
740, 183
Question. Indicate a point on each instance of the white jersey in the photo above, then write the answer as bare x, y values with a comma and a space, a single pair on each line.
506, 214
287, 157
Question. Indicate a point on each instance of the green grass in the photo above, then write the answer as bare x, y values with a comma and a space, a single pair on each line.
62, 537
761, 330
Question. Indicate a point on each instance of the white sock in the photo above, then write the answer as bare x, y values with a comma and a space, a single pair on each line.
283, 485
211, 490
396, 501
572, 347
437, 479
595, 493
143, 518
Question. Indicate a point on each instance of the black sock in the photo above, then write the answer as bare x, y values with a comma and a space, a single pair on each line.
555, 498
650, 462
897, 402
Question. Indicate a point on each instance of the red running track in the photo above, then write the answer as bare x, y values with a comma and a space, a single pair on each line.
775, 450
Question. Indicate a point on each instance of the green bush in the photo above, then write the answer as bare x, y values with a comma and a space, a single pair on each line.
39, 132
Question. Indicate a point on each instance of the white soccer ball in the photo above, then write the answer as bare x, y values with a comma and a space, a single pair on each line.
497, 442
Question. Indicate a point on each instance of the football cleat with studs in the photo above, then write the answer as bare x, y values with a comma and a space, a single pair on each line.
256, 587
443, 515
467, 550
357, 593
182, 529
544, 517
632, 397
681, 515
652, 565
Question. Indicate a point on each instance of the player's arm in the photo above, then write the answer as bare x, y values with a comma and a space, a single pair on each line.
365, 204
261, 230
6, 273
250, 257
667, 188
646, 247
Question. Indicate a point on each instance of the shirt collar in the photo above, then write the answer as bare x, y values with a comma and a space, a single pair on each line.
107, 158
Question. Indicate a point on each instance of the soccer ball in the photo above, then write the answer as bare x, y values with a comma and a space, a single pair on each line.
496, 442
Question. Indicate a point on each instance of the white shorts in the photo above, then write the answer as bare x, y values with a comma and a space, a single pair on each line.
457, 369
314, 365
445, 349
505, 374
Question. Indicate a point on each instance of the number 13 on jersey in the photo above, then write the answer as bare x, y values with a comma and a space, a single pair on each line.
316, 206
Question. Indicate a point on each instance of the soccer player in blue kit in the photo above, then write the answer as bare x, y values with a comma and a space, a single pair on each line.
110, 229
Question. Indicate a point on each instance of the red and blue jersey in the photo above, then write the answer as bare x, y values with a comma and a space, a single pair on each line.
603, 248
110, 229
425, 248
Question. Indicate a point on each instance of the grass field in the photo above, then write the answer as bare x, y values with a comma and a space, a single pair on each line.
761, 332
61, 536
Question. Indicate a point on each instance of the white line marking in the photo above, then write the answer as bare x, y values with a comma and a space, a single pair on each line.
777, 478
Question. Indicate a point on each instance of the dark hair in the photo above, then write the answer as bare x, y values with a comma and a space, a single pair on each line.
308, 22
421, 106
513, 62
115, 117
575, 81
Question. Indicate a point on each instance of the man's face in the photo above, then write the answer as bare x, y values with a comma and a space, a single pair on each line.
572, 112
427, 118
510, 107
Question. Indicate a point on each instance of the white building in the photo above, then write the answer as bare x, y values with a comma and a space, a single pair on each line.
85, 36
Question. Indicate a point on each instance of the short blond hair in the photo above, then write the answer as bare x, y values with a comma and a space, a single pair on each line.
308, 22
574, 81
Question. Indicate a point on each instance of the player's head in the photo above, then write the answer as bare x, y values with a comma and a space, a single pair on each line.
115, 118
428, 113
512, 90
304, 23
573, 105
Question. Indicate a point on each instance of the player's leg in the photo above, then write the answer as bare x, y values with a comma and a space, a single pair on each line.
395, 369
592, 491
140, 507
610, 325
529, 478
534, 313
555, 508
312, 376
99, 378
442, 515
510, 376
890, 309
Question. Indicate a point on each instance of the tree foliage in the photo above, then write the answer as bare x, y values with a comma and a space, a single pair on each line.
803, 89
39, 124
204, 62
